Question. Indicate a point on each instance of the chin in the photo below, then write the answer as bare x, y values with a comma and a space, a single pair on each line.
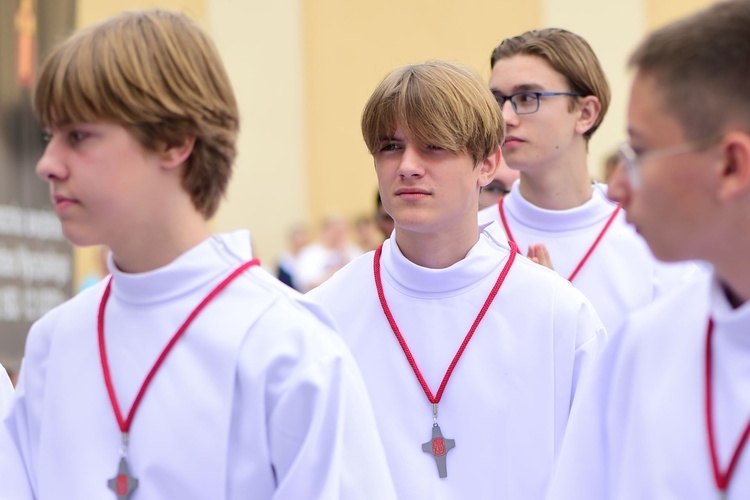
667, 253
79, 237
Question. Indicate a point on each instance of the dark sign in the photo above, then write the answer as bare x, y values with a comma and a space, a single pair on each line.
36, 262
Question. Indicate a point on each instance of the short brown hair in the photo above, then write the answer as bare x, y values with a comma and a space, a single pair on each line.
436, 103
159, 75
702, 65
568, 54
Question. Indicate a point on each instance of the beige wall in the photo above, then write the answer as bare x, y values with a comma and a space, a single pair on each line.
302, 70
91, 11
660, 12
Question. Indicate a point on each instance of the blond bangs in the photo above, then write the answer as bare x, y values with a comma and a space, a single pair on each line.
115, 73
426, 115
402, 101
438, 104
67, 89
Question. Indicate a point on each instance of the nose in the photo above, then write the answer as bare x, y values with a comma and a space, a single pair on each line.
411, 164
51, 165
619, 189
509, 113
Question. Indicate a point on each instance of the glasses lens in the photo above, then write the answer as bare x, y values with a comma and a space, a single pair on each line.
525, 103
630, 160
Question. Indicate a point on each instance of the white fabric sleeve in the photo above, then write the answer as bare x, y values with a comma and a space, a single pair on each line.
583, 462
15, 449
6, 391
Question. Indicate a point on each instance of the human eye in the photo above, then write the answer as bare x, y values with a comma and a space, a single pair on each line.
637, 151
76, 136
495, 188
436, 151
389, 146
46, 137
526, 97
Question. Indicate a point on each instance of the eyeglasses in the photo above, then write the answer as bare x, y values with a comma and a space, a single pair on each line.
633, 160
495, 188
526, 103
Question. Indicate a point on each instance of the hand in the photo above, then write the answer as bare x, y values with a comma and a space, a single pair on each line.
539, 254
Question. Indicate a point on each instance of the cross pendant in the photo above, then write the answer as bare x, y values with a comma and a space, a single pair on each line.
123, 484
439, 447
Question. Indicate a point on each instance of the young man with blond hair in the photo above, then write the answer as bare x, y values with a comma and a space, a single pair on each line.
668, 414
471, 353
554, 95
190, 372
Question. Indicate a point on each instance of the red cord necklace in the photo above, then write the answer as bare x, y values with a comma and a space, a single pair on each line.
721, 478
123, 484
438, 446
590, 250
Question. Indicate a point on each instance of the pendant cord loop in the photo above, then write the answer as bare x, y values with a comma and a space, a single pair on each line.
125, 442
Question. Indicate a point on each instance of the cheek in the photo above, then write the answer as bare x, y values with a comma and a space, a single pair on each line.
384, 170
669, 206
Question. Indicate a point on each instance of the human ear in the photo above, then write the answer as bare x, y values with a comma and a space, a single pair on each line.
175, 155
589, 109
488, 166
735, 170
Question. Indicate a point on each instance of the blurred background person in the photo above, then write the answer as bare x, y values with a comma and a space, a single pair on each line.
611, 162
319, 260
366, 233
97, 274
383, 219
286, 266
499, 187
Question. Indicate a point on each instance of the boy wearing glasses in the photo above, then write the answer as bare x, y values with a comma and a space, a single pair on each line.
554, 95
668, 415
471, 353
190, 373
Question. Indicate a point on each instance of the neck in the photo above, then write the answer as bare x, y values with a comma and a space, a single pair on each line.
726, 248
559, 185
436, 250
156, 246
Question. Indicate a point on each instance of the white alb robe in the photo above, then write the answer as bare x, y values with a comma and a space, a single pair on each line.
620, 276
638, 428
507, 403
6, 391
259, 399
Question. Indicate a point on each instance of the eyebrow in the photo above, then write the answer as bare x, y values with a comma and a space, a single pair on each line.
387, 138
523, 87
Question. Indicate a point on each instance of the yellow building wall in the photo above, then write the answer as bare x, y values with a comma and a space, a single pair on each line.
91, 11
661, 12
